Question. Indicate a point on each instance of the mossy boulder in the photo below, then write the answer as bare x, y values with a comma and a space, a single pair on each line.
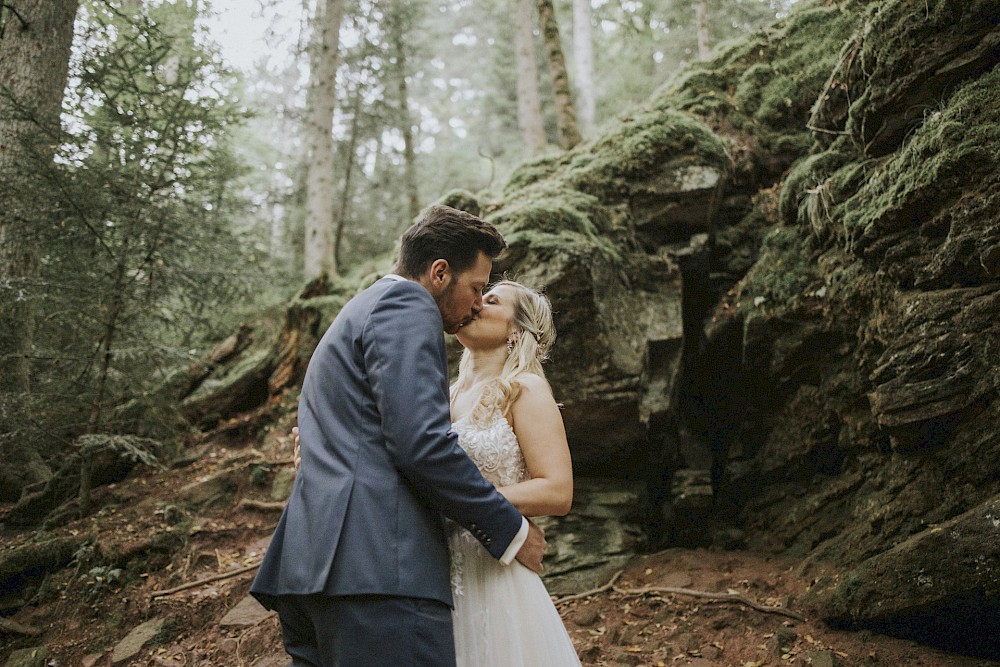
757, 93
946, 576
860, 399
596, 228
909, 59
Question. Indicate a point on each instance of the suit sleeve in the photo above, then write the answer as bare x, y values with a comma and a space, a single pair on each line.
403, 346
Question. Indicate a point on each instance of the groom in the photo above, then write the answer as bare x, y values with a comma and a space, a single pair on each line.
358, 565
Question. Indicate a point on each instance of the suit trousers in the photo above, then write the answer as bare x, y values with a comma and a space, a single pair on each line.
366, 630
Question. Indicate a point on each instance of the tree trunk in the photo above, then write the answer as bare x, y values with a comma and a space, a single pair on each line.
34, 59
583, 59
529, 106
701, 17
350, 159
405, 122
321, 101
569, 132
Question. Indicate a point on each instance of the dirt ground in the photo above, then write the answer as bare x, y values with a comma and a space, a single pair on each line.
143, 540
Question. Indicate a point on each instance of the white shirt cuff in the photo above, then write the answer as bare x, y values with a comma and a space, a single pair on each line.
515, 544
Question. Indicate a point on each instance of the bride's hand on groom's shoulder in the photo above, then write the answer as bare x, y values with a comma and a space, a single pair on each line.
296, 452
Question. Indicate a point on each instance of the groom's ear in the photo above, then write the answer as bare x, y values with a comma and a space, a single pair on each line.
440, 273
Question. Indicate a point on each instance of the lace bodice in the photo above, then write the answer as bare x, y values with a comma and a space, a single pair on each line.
494, 449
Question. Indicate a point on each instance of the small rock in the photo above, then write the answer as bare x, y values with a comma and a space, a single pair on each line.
822, 659
281, 487
676, 580
91, 659
273, 660
229, 646
586, 617
784, 638
631, 635
711, 652
135, 640
247, 613
28, 657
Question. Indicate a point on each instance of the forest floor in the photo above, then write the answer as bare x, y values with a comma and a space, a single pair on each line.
107, 606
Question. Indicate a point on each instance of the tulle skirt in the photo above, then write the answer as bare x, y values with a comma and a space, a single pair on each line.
503, 615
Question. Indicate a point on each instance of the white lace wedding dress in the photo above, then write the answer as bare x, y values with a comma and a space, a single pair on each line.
503, 615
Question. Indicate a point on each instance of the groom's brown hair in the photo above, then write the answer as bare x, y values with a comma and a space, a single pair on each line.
447, 233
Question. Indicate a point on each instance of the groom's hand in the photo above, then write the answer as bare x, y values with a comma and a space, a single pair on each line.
533, 549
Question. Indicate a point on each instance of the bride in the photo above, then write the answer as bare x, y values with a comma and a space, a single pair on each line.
508, 422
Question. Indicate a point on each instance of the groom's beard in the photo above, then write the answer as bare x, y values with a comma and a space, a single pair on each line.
452, 315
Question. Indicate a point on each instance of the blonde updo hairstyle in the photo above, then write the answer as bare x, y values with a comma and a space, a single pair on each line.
528, 346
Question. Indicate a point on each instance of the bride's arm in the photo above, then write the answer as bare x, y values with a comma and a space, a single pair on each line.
539, 429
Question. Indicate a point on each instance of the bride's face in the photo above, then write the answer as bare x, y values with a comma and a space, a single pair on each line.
491, 327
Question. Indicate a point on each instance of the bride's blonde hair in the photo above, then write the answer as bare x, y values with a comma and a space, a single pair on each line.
528, 346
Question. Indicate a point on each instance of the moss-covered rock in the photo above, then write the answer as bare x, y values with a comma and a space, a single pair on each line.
758, 92
956, 561
912, 56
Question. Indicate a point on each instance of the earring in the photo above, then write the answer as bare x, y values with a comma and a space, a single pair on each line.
510, 344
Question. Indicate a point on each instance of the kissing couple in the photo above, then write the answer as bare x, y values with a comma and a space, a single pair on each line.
406, 539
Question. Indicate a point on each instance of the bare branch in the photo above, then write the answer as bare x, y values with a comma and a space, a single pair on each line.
206, 580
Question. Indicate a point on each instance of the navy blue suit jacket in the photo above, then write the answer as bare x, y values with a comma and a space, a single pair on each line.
381, 468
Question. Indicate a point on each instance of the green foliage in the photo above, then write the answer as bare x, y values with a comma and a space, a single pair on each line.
127, 447
144, 250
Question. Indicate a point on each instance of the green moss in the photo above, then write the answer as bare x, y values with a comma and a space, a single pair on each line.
563, 202
255, 362
805, 179
641, 144
547, 216
953, 150
901, 29
765, 84
463, 200
782, 273
533, 171
750, 87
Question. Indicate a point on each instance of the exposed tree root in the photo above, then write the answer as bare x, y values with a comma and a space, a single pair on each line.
202, 582
645, 590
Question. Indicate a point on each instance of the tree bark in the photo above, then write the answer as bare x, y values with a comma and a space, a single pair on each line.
324, 54
350, 159
583, 60
405, 122
529, 106
34, 60
569, 132
704, 41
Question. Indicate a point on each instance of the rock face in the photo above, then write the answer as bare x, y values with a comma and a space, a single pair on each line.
916, 574
595, 228
834, 358
860, 352
779, 280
